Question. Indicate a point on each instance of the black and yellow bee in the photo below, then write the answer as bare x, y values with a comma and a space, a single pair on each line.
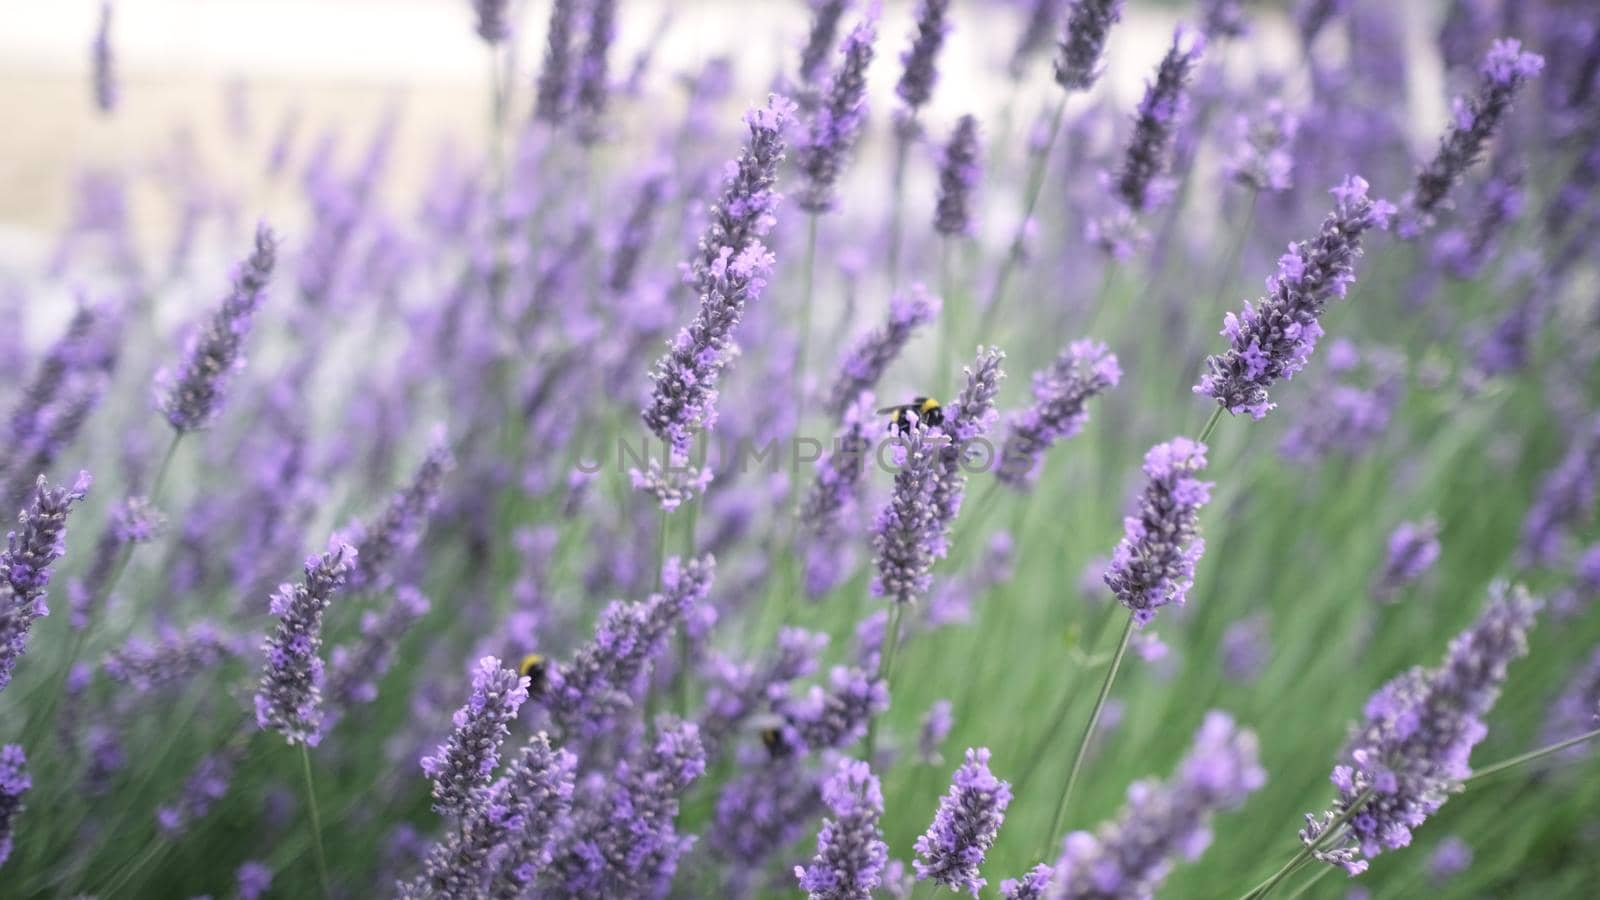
773, 739
927, 409
537, 670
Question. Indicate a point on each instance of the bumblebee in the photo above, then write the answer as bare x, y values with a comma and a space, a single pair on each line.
537, 670
773, 740
927, 409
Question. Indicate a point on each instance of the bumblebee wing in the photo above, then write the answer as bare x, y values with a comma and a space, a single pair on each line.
893, 409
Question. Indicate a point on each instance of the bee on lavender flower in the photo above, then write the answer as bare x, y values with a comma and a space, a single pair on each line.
536, 668
927, 409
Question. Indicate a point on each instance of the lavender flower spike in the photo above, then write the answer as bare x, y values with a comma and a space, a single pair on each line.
953, 848
14, 782
851, 853
191, 397
903, 538
105, 76
1031, 886
1078, 63
730, 270
1412, 751
921, 59
464, 764
1154, 564
492, 24
1413, 549
1131, 855
396, 532
838, 481
959, 170
289, 698
593, 73
1506, 67
555, 74
1274, 338
1084, 370
869, 357
837, 122
40, 540
819, 40
1566, 499
967, 420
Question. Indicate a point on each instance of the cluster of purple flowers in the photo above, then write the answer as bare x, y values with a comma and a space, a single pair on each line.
1153, 566
1082, 371
38, 542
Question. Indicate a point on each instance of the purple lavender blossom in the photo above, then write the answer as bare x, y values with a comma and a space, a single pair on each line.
1274, 338
1154, 563
921, 58
1131, 855
1452, 857
903, 541
462, 766
395, 533
833, 718
872, 353
1475, 121
1246, 648
825, 17
1576, 710
354, 670
14, 782
1412, 750
289, 698
837, 485
554, 85
966, 422
254, 879
935, 729
1078, 60
1263, 158
175, 656
730, 270
104, 62
594, 85
838, 120
603, 677
1031, 886
68, 357
1463, 252
1566, 499
762, 810
1413, 550
1035, 34
737, 690
1357, 407
40, 540
633, 237
1086, 368
1223, 19
959, 171
191, 396
492, 24
851, 853
952, 850
207, 783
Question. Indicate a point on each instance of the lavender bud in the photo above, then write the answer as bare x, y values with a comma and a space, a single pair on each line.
1452, 857
38, 541
836, 717
1475, 121
671, 485
355, 670
1412, 749
935, 728
1078, 62
206, 784
763, 810
191, 396
1576, 709
462, 766
1246, 648
1566, 499
837, 122
819, 40
14, 782
1263, 158
966, 421
289, 698
1031, 886
1413, 549
1154, 564
1274, 338
1131, 855
903, 540
1223, 19
175, 656
921, 58
555, 76
104, 63
951, 851
871, 354
395, 533
634, 236
593, 73
959, 171
254, 879
492, 24
838, 482
1082, 371
851, 853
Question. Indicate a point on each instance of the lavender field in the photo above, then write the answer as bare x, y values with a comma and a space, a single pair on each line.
1015, 448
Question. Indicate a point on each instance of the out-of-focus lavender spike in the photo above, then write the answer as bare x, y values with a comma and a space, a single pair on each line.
634, 236
398, 529
1356, 409
1452, 857
903, 540
1413, 748
1576, 710
1078, 59
191, 395
253, 879
851, 852
731, 269
872, 353
38, 541
1274, 338
951, 852
554, 86
104, 63
1566, 499
1035, 35
594, 72
838, 482
1154, 563
1084, 370
462, 766
1311, 16
355, 670
68, 356
1263, 158
1031, 886
584, 695
14, 783
671, 485
921, 59
626, 844
761, 811
967, 421
1142, 184
493, 26
1475, 120
1465, 31
959, 171
1413, 549
825, 18
207, 783
173, 657
736, 691
837, 122
833, 718
289, 698
1464, 252
1246, 648
1132, 855
1223, 19
935, 729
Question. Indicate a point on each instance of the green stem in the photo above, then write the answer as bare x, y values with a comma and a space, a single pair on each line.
891, 646
1301, 890
1265, 887
1530, 756
946, 314
1030, 198
316, 822
1211, 425
1088, 732
808, 285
